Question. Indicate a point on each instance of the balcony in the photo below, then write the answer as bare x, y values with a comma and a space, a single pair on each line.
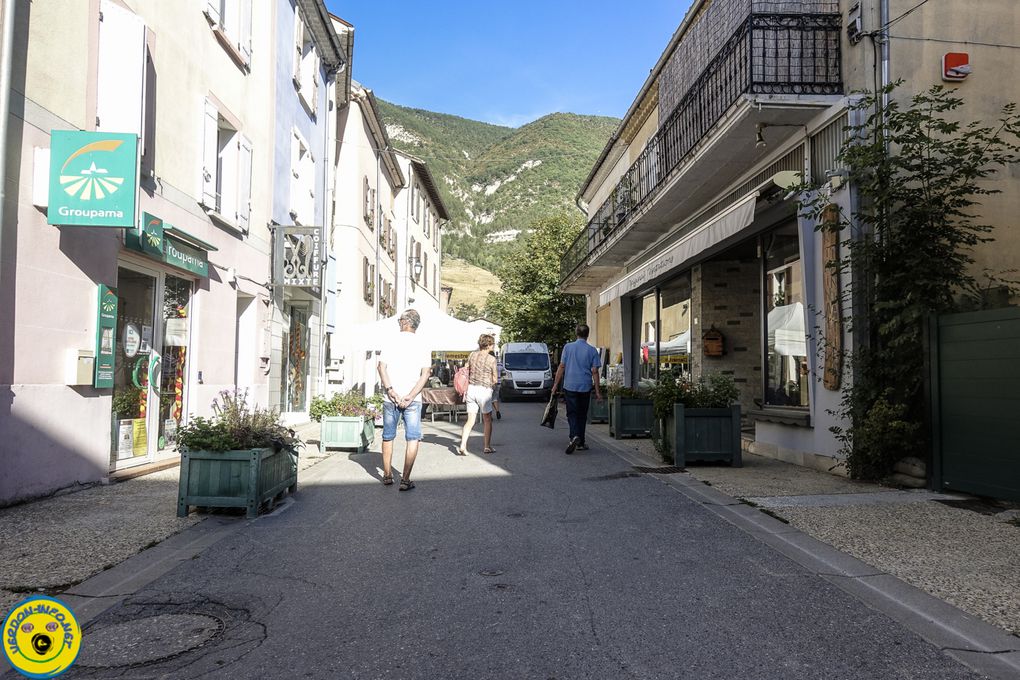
788, 61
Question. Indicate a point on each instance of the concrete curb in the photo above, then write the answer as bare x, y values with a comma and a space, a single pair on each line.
982, 647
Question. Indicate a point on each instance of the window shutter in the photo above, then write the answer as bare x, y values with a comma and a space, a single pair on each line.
244, 169
315, 81
299, 43
210, 136
244, 35
367, 198
231, 19
121, 70
212, 10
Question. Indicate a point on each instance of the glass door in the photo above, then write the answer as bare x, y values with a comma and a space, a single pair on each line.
176, 305
136, 366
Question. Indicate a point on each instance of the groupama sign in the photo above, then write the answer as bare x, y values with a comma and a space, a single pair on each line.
93, 178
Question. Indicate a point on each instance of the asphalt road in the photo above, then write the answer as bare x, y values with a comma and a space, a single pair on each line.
527, 563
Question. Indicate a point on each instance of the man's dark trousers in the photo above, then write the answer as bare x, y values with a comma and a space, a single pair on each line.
577, 412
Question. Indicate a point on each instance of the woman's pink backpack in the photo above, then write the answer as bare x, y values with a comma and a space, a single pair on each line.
460, 380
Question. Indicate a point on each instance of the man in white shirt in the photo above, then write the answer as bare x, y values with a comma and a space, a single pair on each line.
404, 368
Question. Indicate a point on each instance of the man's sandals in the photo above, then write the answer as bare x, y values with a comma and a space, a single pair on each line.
406, 485
387, 480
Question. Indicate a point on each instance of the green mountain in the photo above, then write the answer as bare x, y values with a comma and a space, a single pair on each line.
497, 180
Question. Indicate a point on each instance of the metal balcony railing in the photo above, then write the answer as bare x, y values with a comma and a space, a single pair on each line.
767, 54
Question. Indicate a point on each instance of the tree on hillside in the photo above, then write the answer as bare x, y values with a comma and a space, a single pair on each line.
530, 306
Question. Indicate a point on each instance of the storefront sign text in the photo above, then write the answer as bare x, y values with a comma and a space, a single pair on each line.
106, 342
302, 257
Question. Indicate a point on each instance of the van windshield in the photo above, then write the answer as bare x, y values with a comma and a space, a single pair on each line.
529, 361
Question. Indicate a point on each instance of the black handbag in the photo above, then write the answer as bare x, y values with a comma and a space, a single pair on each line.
551, 409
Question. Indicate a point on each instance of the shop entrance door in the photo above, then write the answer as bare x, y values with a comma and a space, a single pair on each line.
150, 370
136, 367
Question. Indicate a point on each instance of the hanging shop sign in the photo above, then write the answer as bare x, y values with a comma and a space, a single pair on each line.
151, 238
302, 257
93, 179
106, 342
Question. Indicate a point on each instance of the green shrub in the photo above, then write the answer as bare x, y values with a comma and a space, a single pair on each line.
236, 426
713, 391
350, 404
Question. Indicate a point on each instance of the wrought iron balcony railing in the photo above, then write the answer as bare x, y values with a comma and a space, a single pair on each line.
768, 54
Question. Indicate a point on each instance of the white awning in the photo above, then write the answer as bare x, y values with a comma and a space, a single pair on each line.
721, 227
439, 331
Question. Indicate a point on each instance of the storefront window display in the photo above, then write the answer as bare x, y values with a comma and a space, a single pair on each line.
176, 302
673, 352
136, 293
647, 332
786, 343
295, 369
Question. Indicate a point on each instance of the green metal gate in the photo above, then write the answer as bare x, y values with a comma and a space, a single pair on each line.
976, 403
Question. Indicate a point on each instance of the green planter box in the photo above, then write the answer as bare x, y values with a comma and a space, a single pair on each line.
234, 479
598, 411
630, 417
703, 434
347, 432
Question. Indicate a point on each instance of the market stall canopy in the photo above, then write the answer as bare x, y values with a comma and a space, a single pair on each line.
439, 331
679, 345
786, 331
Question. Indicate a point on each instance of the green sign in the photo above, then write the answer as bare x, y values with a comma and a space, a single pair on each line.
106, 337
151, 238
180, 254
93, 178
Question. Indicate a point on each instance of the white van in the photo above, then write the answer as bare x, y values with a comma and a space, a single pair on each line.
526, 370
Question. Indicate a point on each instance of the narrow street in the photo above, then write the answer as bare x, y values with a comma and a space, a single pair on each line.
525, 564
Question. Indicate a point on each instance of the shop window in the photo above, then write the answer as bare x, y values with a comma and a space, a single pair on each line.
294, 376
674, 348
176, 305
786, 380
647, 332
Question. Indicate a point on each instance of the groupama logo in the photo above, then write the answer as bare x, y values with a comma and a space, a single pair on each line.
91, 182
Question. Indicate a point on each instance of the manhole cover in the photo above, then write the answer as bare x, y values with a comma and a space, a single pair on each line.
664, 470
147, 640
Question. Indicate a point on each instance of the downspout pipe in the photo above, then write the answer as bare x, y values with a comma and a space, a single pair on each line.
883, 18
6, 59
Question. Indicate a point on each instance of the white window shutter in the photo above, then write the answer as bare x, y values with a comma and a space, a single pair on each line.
244, 35
315, 81
212, 10
299, 43
121, 73
230, 159
210, 134
232, 18
244, 185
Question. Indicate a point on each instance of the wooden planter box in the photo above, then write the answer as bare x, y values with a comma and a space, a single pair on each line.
598, 411
630, 417
234, 479
703, 434
347, 432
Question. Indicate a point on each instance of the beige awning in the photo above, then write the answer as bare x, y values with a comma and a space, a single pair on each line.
721, 227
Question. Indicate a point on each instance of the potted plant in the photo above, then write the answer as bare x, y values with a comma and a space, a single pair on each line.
347, 420
697, 420
241, 457
630, 412
598, 411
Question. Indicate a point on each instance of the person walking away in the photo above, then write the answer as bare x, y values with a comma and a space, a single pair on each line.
578, 372
495, 390
482, 379
404, 369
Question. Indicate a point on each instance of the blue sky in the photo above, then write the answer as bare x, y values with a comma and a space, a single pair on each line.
509, 62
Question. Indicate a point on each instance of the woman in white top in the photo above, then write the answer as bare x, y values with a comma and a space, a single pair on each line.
481, 380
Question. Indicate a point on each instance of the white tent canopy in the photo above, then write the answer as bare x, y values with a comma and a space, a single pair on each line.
786, 331
439, 331
681, 344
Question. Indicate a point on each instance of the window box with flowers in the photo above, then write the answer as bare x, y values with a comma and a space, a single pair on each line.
242, 457
347, 420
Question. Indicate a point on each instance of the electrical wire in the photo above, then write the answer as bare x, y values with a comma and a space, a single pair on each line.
953, 42
909, 11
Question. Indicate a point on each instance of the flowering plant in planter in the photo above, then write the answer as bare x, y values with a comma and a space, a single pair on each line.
349, 404
236, 426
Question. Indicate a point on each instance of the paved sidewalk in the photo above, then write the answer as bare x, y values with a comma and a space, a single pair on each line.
968, 559
54, 543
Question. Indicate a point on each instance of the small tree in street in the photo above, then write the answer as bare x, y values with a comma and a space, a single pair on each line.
920, 174
530, 306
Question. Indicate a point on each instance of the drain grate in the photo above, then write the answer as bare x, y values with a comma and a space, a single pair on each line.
663, 470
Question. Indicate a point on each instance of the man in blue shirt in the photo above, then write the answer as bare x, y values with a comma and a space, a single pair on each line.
579, 373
